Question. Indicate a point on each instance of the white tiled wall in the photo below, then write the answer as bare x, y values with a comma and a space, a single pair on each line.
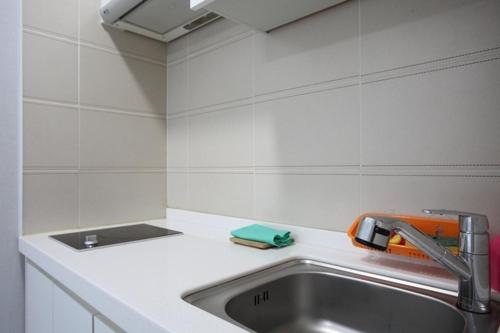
317, 49
94, 120
221, 138
313, 129
50, 68
383, 105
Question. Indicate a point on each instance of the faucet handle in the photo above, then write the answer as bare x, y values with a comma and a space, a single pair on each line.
469, 222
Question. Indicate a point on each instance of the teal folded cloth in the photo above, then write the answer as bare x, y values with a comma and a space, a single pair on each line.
260, 233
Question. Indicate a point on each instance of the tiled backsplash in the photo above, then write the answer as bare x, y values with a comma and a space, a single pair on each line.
383, 105
94, 119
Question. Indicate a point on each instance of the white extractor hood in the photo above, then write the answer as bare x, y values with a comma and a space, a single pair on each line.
264, 15
164, 20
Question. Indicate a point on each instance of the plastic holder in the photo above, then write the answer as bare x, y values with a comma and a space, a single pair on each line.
430, 226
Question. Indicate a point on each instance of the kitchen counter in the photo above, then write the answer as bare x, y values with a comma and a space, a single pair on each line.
139, 286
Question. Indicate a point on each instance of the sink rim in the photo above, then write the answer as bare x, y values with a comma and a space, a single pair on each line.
227, 290
259, 274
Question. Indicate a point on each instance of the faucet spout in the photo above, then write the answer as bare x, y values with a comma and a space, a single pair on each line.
434, 250
471, 266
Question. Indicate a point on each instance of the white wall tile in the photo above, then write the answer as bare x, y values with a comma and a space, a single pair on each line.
110, 140
221, 75
321, 47
93, 31
411, 194
226, 194
223, 138
401, 32
409, 121
50, 202
313, 129
108, 198
318, 201
213, 33
177, 88
50, 136
178, 190
115, 81
177, 143
46, 16
49, 68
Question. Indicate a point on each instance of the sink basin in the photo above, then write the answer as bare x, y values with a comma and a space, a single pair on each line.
308, 296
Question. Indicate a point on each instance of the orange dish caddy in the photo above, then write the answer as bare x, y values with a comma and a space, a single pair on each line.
429, 226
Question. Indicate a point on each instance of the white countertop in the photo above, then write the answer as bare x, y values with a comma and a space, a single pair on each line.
139, 285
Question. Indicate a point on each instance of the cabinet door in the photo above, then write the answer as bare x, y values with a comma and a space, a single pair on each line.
69, 315
51, 309
39, 300
102, 325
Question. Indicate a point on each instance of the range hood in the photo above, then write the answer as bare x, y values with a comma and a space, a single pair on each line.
264, 15
164, 20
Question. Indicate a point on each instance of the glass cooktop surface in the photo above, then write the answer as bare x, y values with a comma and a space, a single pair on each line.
90, 239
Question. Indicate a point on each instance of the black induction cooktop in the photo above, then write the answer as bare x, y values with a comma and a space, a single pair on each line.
85, 240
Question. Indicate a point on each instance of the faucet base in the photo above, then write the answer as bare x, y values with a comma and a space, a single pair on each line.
474, 306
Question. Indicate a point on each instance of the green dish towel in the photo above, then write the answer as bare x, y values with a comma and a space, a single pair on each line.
260, 233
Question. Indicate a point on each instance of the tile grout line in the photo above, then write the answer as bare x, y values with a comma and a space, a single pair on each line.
254, 162
188, 126
210, 48
78, 41
165, 184
305, 90
367, 166
349, 81
424, 71
276, 171
49, 102
50, 35
437, 64
89, 107
360, 110
20, 127
56, 170
212, 108
124, 54
343, 170
79, 112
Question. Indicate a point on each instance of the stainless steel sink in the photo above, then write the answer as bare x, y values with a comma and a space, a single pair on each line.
308, 296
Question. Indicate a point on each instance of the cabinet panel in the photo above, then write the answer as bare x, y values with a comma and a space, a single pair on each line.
102, 325
52, 309
69, 314
39, 301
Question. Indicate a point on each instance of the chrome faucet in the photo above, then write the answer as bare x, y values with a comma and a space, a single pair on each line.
471, 266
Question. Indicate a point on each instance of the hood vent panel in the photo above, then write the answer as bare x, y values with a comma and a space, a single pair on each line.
164, 20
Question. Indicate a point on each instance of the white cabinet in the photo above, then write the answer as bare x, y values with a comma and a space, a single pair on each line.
50, 308
39, 300
69, 314
264, 15
102, 325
